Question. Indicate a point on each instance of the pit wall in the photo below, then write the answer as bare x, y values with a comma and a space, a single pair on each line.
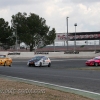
50, 54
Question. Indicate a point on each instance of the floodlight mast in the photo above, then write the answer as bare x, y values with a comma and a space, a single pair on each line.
75, 38
67, 32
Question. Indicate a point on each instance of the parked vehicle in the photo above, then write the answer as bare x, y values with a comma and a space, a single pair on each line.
39, 61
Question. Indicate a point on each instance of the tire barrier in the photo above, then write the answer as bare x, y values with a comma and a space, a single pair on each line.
14, 53
41, 52
71, 52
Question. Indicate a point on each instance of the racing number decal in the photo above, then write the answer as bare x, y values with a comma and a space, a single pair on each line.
43, 61
48, 61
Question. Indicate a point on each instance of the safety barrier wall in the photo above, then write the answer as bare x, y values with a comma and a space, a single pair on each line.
50, 54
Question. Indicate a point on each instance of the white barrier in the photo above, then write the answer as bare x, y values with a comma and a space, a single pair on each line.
80, 55
52, 54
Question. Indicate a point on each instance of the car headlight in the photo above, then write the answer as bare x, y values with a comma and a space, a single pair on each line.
31, 62
37, 62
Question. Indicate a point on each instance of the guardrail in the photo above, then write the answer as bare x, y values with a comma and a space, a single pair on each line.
51, 54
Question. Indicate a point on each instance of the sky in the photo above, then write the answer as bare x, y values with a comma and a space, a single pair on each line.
86, 13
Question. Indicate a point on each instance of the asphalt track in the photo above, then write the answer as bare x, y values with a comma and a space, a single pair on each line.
63, 72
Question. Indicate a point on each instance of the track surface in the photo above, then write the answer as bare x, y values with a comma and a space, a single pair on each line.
63, 72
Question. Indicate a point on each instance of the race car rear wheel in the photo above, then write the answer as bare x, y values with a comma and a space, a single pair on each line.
10, 65
96, 64
40, 64
49, 65
28, 65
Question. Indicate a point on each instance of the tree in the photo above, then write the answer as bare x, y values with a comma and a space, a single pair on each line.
5, 34
32, 29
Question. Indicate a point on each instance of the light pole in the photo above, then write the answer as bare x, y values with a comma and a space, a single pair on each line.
75, 38
95, 46
67, 32
99, 42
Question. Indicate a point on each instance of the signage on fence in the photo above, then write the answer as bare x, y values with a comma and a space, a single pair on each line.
78, 36
85, 37
60, 37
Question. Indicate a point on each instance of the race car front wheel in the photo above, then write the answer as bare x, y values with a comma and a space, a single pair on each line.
96, 64
4, 64
40, 64
49, 65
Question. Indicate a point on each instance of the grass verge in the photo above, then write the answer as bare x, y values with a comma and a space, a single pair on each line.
15, 90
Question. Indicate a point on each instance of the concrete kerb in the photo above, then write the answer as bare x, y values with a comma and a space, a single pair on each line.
88, 94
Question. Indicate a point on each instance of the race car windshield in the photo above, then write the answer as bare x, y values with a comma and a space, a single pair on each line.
37, 58
2, 56
96, 58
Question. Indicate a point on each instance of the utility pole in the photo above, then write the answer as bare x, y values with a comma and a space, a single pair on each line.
75, 38
67, 32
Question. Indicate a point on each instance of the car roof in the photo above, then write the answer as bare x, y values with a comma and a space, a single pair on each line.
97, 57
39, 56
2, 55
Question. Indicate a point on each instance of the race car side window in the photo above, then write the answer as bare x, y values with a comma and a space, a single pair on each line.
45, 58
2, 56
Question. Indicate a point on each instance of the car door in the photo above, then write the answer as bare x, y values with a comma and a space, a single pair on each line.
99, 61
7, 61
46, 61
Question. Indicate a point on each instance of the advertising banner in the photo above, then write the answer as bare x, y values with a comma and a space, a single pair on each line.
78, 36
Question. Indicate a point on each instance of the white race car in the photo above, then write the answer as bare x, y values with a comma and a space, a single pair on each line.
39, 61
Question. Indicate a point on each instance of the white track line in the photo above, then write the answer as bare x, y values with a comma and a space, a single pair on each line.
85, 91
